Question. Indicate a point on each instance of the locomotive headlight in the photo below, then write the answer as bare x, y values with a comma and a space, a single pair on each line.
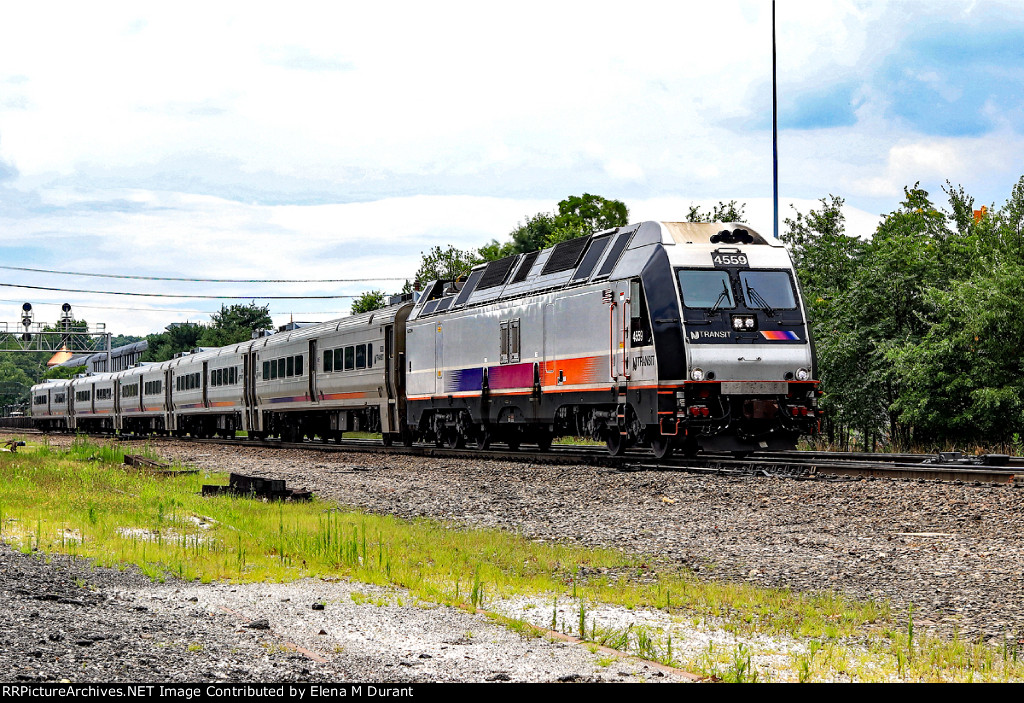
697, 374
802, 374
749, 322
737, 323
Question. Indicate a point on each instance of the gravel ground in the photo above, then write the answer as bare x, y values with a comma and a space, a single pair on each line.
64, 620
954, 551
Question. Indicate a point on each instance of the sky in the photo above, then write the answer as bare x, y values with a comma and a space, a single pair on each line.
340, 140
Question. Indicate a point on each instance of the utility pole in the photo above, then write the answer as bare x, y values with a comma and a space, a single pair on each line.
775, 131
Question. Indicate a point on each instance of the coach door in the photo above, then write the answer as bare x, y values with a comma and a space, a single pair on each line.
205, 385
312, 366
168, 400
249, 391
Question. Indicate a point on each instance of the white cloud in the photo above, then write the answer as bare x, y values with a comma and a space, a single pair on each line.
237, 140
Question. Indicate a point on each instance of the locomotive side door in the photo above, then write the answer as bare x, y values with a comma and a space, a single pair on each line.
549, 344
438, 361
618, 332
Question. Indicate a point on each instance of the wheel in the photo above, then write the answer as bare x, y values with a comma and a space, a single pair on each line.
388, 439
616, 442
513, 442
408, 438
482, 440
661, 445
453, 439
543, 440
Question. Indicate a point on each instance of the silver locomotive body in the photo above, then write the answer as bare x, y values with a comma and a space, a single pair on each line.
612, 336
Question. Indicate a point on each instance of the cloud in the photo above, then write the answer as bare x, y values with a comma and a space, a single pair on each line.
955, 80
831, 106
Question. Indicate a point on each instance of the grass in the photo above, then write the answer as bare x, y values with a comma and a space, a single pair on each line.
82, 501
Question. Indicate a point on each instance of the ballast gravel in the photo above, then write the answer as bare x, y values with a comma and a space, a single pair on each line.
67, 621
951, 550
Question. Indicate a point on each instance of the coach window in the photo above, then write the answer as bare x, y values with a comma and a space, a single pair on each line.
350, 358
290, 367
298, 365
360, 356
328, 360
369, 356
339, 361
280, 367
266, 370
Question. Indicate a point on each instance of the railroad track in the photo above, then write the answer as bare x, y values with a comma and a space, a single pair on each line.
947, 466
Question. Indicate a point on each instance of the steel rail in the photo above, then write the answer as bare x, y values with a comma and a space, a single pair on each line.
796, 463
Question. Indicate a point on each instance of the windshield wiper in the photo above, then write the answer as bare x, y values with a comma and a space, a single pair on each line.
724, 295
759, 300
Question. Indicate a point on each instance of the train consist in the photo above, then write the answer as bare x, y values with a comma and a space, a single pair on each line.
668, 335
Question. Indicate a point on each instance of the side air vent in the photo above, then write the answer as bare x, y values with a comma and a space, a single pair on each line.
470, 286
524, 268
591, 258
497, 272
616, 251
565, 256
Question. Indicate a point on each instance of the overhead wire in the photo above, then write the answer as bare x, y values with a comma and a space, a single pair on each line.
205, 280
81, 306
175, 295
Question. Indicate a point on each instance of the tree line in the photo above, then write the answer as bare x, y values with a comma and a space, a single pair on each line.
918, 329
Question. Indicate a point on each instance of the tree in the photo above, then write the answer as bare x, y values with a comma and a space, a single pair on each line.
15, 384
122, 340
577, 216
723, 212
532, 235
588, 213
63, 372
367, 302
177, 337
234, 324
494, 250
445, 264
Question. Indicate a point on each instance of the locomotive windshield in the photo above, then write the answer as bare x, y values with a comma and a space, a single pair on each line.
706, 289
767, 290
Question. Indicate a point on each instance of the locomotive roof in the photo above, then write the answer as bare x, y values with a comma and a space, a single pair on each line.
607, 255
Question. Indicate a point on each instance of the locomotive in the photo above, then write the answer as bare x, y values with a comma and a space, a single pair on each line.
670, 335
